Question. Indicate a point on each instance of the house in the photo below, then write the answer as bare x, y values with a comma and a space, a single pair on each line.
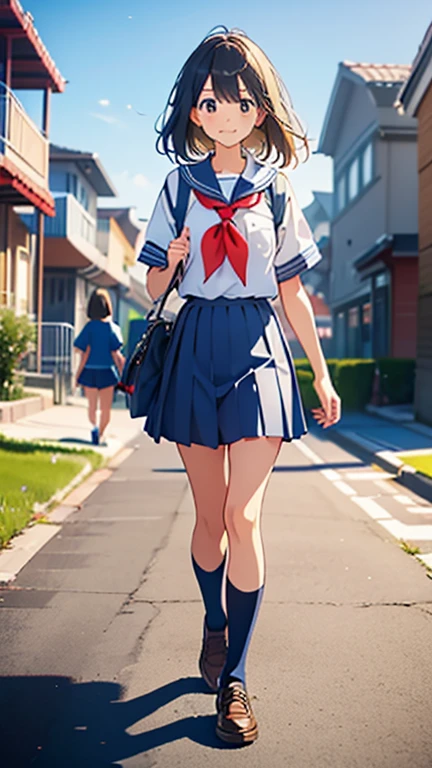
374, 240
318, 215
415, 99
73, 262
118, 230
25, 64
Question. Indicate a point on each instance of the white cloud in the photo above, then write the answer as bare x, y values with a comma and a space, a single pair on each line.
104, 102
140, 180
105, 118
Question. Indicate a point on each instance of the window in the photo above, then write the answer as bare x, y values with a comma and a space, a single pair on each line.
353, 317
103, 225
367, 159
72, 184
83, 197
353, 179
341, 193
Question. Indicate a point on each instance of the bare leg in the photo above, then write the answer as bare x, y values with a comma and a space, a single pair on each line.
251, 462
106, 398
91, 394
205, 470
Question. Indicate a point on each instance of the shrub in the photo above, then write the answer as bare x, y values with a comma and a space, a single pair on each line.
17, 335
397, 379
309, 396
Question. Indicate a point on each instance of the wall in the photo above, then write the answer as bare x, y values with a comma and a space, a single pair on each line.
404, 307
423, 400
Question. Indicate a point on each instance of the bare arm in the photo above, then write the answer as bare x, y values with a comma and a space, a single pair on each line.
119, 360
299, 313
82, 362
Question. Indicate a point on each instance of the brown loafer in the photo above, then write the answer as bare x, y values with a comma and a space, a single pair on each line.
235, 720
213, 656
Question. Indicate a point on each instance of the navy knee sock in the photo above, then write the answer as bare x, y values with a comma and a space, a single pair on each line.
242, 610
210, 583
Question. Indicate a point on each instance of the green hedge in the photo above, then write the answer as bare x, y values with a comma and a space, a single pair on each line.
353, 380
397, 379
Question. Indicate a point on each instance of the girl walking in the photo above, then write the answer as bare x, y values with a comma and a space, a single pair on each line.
229, 385
101, 361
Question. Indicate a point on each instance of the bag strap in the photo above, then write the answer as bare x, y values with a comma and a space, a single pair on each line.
276, 195
173, 283
179, 209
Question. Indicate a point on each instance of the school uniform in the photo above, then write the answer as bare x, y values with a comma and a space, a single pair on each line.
228, 371
103, 337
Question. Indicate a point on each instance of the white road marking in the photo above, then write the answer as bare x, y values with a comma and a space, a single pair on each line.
410, 532
365, 475
374, 510
402, 499
344, 488
308, 452
119, 519
389, 491
419, 510
330, 474
396, 528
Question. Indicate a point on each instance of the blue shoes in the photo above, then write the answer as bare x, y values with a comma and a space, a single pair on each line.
95, 436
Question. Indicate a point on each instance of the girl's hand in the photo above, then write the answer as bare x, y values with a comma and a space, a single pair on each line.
178, 249
330, 412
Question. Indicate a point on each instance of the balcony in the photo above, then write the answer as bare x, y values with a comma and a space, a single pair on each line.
24, 153
70, 241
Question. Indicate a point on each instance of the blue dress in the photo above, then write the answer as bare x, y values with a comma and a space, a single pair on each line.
103, 337
228, 372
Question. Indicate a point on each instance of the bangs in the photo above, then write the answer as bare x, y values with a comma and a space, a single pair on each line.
226, 58
228, 64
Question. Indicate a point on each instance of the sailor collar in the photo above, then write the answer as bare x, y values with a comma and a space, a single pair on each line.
255, 178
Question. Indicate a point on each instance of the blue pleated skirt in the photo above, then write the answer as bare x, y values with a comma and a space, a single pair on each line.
98, 378
228, 374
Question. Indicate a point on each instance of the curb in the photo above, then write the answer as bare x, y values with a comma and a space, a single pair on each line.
30, 540
387, 460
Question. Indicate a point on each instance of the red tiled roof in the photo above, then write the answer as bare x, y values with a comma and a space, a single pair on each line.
36, 195
319, 306
379, 73
13, 20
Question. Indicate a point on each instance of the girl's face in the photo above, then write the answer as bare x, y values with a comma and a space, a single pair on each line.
227, 123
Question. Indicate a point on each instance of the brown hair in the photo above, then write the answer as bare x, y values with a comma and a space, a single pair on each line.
225, 57
99, 305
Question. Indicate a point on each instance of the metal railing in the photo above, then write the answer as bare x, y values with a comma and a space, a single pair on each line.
22, 140
56, 357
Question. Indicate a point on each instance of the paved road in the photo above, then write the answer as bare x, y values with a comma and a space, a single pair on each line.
100, 633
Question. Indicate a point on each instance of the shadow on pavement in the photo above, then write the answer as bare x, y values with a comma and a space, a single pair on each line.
51, 721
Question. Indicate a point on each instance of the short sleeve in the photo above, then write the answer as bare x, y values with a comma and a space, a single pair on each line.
161, 227
116, 338
82, 340
297, 250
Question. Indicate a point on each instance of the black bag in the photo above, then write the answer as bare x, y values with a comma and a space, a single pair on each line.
142, 371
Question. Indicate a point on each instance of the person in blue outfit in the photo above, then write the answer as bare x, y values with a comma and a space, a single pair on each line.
228, 386
101, 362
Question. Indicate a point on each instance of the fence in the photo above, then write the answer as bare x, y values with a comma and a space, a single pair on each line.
56, 358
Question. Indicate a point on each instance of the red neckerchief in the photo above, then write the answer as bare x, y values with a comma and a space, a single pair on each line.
224, 239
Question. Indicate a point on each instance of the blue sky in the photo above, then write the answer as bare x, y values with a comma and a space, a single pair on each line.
129, 53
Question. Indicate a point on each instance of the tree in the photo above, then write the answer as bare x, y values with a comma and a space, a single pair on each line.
17, 336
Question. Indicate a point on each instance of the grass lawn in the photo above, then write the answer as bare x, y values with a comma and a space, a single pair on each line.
422, 463
30, 473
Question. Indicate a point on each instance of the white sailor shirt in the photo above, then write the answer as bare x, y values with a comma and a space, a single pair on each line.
273, 256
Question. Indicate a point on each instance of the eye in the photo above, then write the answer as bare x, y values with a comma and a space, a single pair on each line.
246, 104
208, 104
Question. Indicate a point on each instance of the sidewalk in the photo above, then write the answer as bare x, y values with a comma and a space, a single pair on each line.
380, 436
69, 425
